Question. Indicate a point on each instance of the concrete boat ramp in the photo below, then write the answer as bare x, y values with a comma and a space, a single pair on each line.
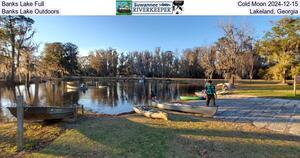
280, 115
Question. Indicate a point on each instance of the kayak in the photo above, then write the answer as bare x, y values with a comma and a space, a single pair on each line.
185, 107
201, 95
151, 113
75, 87
190, 98
72, 87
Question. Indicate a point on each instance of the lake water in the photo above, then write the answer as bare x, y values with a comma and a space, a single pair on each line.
111, 98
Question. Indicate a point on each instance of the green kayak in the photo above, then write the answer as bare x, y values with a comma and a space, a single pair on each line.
190, 98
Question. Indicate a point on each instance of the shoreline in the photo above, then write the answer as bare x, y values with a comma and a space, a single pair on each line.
91, 124
124, 79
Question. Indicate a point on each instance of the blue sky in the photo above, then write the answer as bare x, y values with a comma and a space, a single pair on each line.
129, 33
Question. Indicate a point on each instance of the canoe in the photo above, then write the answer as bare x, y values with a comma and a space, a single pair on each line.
151, 113
75, 87
71, 90
190, 98
44, 113
72, 87
183, 107
201, 95
71, 82
223, 92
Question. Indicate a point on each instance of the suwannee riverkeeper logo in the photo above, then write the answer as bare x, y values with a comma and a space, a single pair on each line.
129, 7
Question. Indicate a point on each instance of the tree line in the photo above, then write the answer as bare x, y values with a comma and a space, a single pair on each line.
236, 54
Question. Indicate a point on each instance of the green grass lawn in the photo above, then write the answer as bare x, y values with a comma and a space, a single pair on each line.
184, 136
267, 89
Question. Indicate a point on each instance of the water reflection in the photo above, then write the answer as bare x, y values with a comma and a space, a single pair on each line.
111, 98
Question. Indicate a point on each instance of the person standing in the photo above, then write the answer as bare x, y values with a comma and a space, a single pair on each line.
210, 93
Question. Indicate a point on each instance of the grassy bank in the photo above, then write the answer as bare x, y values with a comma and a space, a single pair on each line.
184, 136
36, 137
267, 89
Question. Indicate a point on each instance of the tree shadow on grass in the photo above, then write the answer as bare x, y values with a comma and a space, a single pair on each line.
186, 117
36, 136
136, 136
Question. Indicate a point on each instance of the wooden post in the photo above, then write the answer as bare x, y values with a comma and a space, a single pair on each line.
0, 98
75, 113
149, 94
20, 128
36, 93
53, 93
62, 87
82, 109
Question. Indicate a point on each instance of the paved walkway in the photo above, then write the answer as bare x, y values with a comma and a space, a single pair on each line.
275, 114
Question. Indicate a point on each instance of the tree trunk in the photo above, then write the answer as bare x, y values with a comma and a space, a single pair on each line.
232, 79
18, 55
13, 51
251, 77
210, 75
27, 79
28, 94
36, 93
283, 81
0, 99
283, 77
13, 69
295, 85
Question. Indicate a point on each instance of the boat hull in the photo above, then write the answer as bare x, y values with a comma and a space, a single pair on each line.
201, 95
206, 111
45, 113
151, 113
72, 87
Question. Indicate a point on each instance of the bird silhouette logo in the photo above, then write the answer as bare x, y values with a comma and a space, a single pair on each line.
178, 6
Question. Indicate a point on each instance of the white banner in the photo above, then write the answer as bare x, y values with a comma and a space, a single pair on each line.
150, 7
